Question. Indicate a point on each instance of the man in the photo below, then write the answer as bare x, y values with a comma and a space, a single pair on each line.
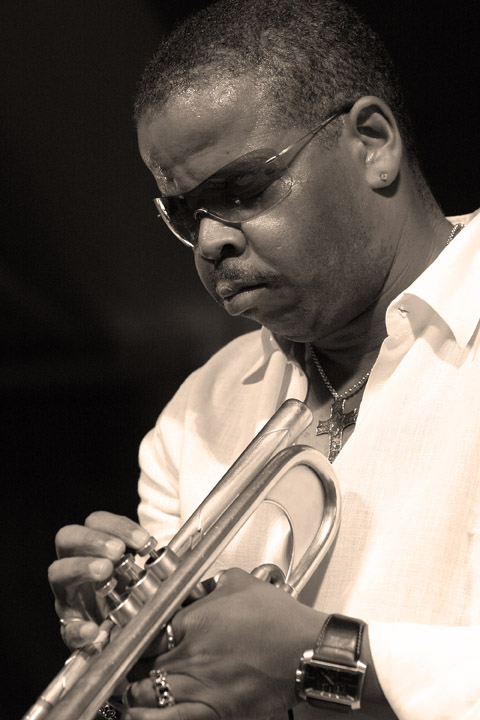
280, 146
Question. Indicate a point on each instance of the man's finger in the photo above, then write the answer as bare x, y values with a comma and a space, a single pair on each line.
120, 526
182, 711
142, 700
73, 540
146, 692
165, 642
66, 575
77, 633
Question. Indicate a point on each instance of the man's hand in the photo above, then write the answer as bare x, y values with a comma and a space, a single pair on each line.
235, 656
86, 554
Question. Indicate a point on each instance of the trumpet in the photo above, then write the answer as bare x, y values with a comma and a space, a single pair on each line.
143, 600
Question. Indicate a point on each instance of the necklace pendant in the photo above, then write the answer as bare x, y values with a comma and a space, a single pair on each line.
335, 425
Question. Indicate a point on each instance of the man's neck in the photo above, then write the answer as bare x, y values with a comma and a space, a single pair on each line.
351, 351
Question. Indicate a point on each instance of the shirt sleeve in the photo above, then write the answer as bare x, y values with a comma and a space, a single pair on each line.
160, 458
428, 672
431, 672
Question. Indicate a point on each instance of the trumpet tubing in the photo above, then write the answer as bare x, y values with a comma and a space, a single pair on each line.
172, 575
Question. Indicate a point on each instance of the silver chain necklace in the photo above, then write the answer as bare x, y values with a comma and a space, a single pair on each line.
339, 419
455, 229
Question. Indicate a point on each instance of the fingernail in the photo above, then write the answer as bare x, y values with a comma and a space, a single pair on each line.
100, 568
114, 548
139, 537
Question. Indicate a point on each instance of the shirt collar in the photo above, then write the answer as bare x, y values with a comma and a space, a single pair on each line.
271, 343
450, 285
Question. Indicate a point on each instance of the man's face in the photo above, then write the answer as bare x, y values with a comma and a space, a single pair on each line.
307, 266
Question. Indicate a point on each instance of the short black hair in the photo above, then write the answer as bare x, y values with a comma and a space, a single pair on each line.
313, 56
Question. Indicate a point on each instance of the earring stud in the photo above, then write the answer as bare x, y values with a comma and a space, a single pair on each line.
384, 177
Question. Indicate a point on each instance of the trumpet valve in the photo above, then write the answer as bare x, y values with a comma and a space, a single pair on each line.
148, 548
268, 572
125, 607
127, 570
164, 562
136, 581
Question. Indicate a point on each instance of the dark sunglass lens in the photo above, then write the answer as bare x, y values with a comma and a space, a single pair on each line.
244, 188
260, 191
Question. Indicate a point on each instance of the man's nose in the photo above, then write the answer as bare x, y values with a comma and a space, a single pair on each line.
216, 239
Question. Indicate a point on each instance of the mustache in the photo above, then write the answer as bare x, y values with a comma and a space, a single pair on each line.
247, 276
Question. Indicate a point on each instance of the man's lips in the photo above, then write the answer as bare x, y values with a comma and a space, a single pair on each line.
240, 296
229, 288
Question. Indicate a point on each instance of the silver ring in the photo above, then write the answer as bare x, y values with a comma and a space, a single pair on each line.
170, 637
162, 690
108, 711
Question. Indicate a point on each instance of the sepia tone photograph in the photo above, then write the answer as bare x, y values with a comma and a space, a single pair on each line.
240, 245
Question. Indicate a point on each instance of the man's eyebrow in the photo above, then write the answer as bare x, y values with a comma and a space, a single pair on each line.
231, 172
167, 184
157, 170
242, 166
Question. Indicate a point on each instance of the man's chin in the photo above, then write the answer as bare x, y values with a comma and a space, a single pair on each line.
287, 328
285, 324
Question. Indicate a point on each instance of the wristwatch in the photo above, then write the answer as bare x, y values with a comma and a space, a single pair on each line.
331, 676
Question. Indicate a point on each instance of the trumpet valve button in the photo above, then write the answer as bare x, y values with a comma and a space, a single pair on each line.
149, 546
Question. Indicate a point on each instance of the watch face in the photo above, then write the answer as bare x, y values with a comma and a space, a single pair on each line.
332, 683
322, 681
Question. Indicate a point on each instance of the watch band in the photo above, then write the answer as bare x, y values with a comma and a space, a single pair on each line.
340, 640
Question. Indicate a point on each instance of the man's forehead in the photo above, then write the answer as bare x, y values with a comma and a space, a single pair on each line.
199, 132
169, 168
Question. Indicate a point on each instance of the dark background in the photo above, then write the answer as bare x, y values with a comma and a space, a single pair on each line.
102, 315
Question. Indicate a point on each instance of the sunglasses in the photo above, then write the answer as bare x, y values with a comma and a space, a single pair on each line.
239, 191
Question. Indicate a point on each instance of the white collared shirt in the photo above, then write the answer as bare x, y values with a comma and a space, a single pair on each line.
407, 557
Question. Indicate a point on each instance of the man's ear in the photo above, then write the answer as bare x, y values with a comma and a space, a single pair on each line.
376, 140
